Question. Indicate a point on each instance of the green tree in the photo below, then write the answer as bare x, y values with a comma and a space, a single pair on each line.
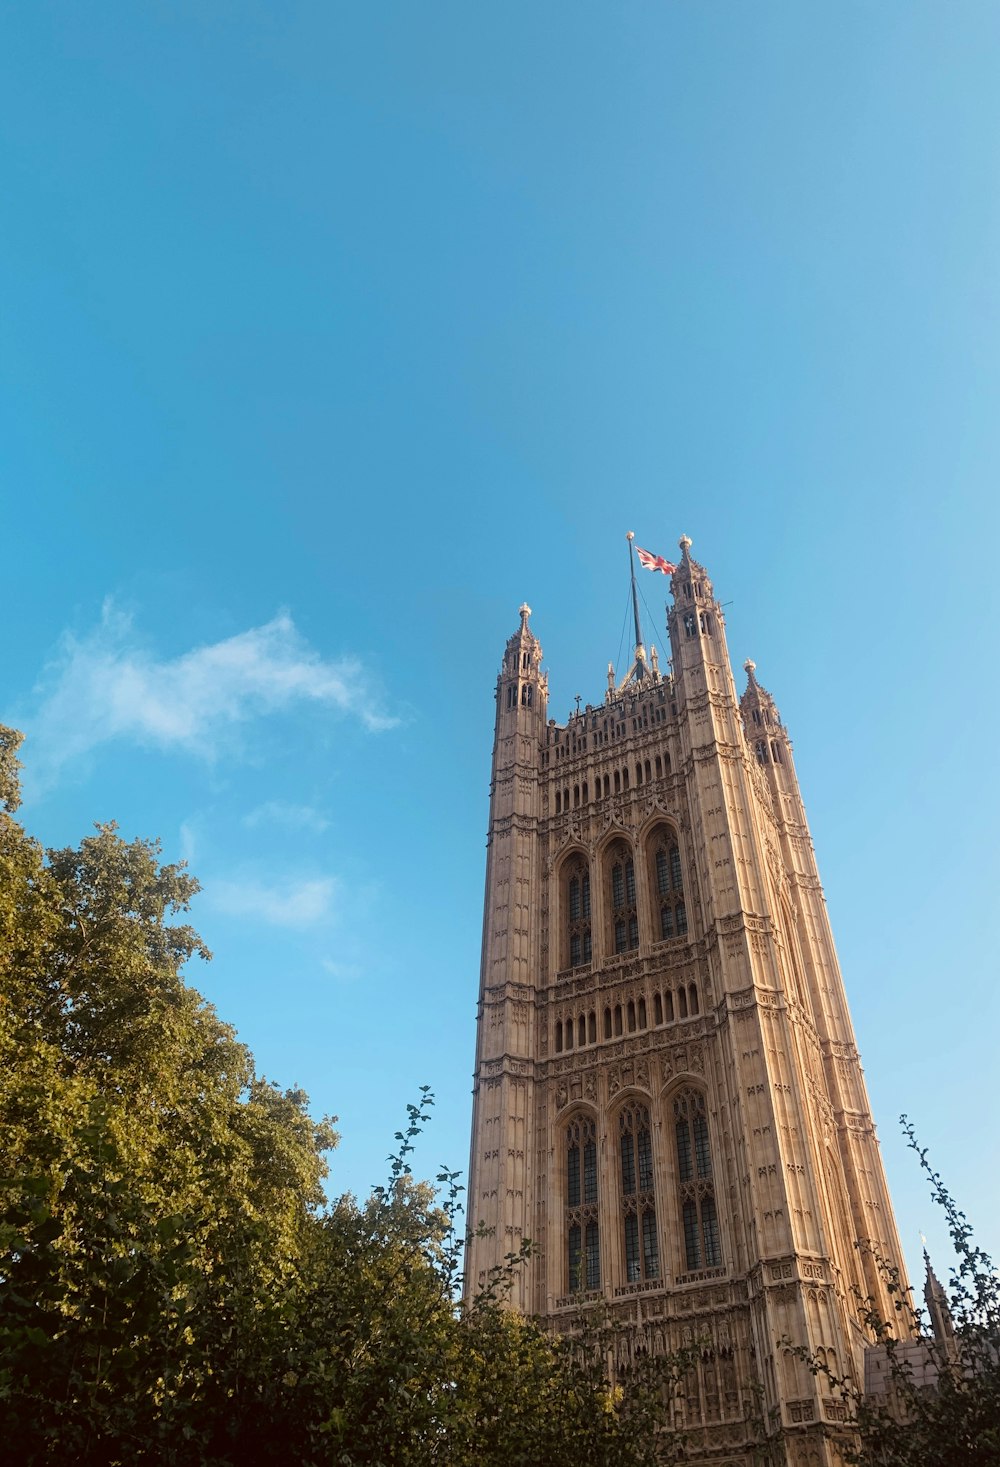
156, 1194
173, 1286
955, 1420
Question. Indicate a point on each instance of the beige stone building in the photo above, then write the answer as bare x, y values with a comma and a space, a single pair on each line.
668, 1098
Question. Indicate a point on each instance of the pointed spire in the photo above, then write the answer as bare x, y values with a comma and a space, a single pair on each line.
522, 664
937, 1302
690, 582
758, 700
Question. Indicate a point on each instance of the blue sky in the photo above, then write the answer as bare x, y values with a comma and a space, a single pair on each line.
331, 333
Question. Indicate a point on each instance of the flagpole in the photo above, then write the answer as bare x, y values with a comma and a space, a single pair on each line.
640, 651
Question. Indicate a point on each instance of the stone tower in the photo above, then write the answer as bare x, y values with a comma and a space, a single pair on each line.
668, 1099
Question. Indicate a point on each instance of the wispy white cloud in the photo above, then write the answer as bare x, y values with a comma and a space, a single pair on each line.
346, 972
279, 812
286, 902
189, 841
107, 685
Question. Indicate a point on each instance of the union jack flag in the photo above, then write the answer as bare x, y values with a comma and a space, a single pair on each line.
652, 562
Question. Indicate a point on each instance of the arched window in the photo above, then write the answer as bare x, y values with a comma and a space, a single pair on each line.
582, 1236
607, 1023
624, 916
578, 913
668, 885
642, 1249
696, 1189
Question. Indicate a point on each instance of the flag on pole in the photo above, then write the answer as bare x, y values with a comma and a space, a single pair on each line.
652, 562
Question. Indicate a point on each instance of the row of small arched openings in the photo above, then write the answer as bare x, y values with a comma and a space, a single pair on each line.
627, 1018
526, 695
616, 783
702, 624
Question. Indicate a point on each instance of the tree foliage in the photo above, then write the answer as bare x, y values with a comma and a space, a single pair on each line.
173, 1286
941, 1402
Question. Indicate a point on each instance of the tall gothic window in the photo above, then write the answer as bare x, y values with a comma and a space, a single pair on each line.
668, 886
578, 913
583, 1244
624, 916
642, 1251
699, 1216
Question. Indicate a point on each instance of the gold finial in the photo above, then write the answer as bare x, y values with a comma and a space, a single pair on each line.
630, 535
685, 543
525, 611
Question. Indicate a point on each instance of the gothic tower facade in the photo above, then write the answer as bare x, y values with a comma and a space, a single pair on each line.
668, 1099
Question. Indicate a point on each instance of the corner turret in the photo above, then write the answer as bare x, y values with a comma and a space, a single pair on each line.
765, 732
695, 622
522, 687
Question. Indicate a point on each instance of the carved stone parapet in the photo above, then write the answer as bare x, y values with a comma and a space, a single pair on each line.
642, 1286
508, 991
801, 1410
573, 1301
506, 1066
700, 1276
